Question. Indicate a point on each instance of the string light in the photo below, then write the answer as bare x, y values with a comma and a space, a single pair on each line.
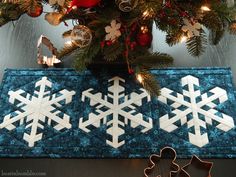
68, 42
205, 8
144, 29
183, 38
145, 13
140, 78
148, 13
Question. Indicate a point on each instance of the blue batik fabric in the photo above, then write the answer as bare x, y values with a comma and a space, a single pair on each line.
62, 113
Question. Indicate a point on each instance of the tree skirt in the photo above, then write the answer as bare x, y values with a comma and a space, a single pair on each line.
61, 113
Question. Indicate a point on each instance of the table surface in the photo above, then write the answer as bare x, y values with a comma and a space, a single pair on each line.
18, 50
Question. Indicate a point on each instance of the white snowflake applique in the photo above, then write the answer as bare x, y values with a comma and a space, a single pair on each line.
198, 111
115, 114
36, 109
192, 29
113, 31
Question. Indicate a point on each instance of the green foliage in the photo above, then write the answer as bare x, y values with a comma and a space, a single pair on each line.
153, 60
86, 55
196, 45
173, 37
112, 52
9, 12
150, 83
67, 50
212, 21
215, 36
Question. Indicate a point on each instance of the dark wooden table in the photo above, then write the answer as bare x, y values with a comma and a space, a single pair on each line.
18, 50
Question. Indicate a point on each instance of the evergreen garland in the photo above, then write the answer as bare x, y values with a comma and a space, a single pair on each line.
133, 33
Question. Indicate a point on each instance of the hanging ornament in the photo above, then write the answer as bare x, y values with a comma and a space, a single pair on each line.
53, 18
44, 60
144, 37
83, 3
126, 5
191, 28
113, 31
81, 36
36, 11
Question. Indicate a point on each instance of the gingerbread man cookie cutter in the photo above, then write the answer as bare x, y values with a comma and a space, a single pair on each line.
154, 159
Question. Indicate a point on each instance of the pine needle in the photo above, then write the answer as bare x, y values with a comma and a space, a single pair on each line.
67, 50
196, 45
154, 60
150, 83
112, 52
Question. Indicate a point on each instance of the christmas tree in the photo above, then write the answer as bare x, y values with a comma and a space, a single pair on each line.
120, 31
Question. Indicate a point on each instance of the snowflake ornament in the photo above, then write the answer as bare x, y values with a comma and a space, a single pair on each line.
196, 110
113, 31
115, 114
36, 109
192, 29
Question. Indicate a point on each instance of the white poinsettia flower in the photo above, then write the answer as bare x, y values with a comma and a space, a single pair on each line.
192, 29
59, 2
113, 31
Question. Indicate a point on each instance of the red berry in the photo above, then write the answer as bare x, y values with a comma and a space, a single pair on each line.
109, 43
131, 71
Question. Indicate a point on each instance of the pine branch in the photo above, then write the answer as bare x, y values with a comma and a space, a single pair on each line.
212, 21
112, 52
150, 83
9, 12
80, 63
67, 50
154, 60
173, 37
196, 45
215, 36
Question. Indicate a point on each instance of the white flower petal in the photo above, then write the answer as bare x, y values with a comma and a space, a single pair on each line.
118, 25
52, 2
108, 29
185, 28
196, 33
61, 2
118, 33
113, 23
107, 38
197, 25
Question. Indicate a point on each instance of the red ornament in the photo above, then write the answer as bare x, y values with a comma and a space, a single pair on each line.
144, 39
83, 3
35, 12
131, 71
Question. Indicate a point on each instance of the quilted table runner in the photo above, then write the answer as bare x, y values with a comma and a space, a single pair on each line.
61, 113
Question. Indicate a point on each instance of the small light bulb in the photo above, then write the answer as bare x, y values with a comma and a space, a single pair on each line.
205, 8
140, 78
144, 29
68, 42
183, 39
145, 13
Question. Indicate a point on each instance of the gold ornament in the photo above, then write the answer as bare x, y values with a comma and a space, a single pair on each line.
126, 5
53, 18
81, 36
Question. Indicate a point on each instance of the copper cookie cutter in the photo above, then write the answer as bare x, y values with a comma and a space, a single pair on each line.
200, 163
154, 159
